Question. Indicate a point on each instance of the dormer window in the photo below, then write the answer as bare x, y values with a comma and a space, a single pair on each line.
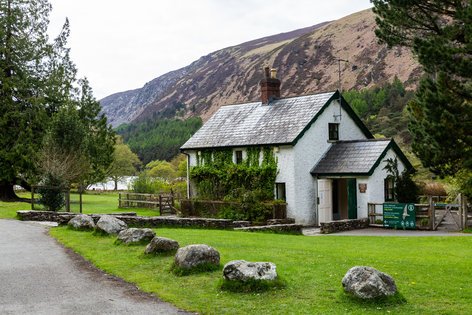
333, 132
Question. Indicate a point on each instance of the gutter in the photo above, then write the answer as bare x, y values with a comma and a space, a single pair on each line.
188, 173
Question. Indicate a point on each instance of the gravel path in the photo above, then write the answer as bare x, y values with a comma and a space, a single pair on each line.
39, 276
383, 232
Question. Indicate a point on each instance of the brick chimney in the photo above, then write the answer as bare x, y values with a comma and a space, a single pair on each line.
270, 86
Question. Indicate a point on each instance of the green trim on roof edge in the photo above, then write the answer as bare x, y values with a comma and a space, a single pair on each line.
349, 111
391, 145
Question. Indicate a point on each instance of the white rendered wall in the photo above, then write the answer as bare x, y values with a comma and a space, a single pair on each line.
295, 164
286, 172
308, 151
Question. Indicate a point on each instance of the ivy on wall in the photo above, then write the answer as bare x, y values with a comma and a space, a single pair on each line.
216, 177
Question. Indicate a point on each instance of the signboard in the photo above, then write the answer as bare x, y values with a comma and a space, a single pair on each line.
399, 215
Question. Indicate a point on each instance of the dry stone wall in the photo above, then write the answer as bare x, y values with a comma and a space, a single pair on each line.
343, 225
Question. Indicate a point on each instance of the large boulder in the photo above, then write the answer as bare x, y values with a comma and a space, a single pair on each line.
368, 283
195, 255
241, 270
110, 225
81, 222
136, 236
161, 245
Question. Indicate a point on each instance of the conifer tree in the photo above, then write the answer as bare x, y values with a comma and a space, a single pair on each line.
37, 79
439, 33
25, 56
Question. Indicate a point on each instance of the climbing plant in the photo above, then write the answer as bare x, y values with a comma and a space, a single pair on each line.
405, 188
217, 178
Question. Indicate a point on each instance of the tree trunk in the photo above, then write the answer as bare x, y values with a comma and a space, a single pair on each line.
116, 184
26, 186
7, 193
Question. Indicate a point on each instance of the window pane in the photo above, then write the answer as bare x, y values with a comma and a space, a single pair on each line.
333, 131
389, 189
280, 191
239, 157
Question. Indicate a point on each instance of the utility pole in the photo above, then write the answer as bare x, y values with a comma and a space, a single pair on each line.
340, 88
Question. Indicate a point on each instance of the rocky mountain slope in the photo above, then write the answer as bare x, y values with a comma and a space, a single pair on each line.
306, 60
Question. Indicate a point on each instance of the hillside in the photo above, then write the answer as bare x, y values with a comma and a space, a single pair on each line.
306, 61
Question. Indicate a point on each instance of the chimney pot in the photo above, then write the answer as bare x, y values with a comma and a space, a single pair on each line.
270, 86
266, 72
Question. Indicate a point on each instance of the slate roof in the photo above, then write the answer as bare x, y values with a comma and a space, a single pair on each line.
358, 157
280, 122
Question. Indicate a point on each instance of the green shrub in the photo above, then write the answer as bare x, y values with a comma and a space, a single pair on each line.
52, 195
145, 184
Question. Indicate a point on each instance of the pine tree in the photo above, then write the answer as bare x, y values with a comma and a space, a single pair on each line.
439, 33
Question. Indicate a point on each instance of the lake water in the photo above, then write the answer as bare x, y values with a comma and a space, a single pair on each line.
124, 184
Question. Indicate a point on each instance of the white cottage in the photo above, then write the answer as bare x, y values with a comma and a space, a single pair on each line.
329, 164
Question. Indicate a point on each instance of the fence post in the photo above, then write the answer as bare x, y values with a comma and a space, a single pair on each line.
32, 197
68, 200
463, 205
430, 214
80, 199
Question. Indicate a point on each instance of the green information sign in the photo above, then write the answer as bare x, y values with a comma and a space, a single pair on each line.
399, 215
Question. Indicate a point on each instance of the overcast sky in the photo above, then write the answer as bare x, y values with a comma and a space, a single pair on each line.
120, 44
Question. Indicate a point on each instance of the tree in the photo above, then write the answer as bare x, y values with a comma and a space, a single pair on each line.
179, 164
125, 162
161, 169
100, 137
38, 80
405, 189
439, 33
61, 158
35, 76
80, 138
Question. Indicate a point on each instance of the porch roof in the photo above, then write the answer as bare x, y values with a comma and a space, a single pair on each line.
357, 157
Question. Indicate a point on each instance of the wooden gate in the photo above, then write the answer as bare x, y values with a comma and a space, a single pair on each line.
166, 204
451, 216
443, 216
163, 202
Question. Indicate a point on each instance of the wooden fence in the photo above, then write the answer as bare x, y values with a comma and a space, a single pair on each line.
430, 215
164, 202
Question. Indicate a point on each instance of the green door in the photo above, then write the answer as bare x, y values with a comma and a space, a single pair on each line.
351, 198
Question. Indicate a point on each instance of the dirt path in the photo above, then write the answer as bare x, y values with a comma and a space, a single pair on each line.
39, 276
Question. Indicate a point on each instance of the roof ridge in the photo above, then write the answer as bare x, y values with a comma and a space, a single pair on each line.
280, 98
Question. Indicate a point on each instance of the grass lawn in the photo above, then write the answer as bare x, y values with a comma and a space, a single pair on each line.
91, 203
433, 274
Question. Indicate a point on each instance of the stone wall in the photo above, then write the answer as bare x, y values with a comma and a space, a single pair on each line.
343, 225
33, 215
135, 221
275, 228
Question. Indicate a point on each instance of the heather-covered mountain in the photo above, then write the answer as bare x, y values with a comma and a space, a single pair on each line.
306, 61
